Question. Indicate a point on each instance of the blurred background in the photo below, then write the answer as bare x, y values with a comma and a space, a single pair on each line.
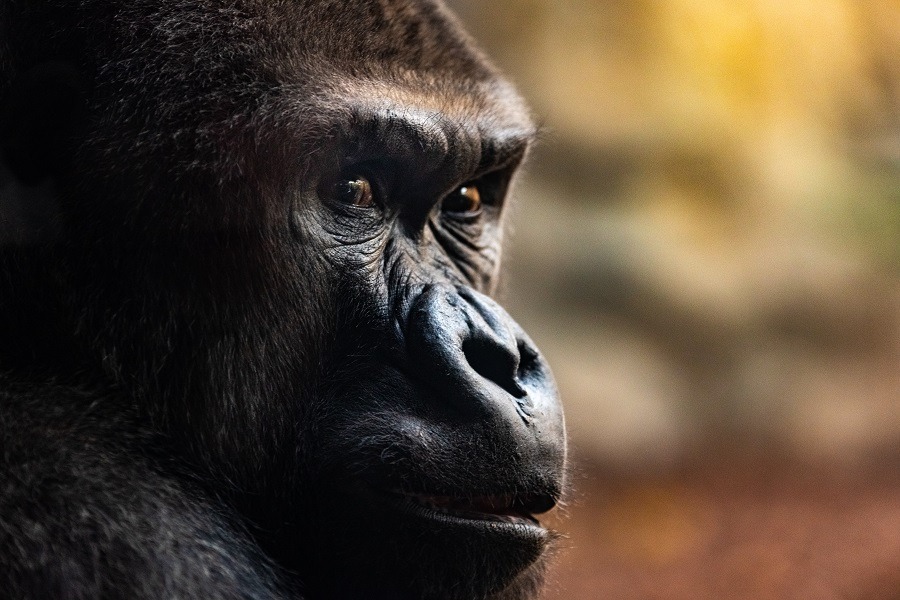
706, 245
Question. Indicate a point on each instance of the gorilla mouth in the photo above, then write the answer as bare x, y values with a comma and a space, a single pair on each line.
501, 508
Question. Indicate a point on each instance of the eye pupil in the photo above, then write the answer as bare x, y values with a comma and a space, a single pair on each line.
356, 192
466, 199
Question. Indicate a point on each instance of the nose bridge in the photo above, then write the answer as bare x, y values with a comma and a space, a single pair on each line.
420, 262
430, 149
442, 151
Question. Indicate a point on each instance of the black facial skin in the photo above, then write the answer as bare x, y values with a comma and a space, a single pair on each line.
246, 343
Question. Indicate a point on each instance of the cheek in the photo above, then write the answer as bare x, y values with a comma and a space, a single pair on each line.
348, 240
470, 250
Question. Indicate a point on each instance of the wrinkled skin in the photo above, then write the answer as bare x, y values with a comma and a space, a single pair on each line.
247, 348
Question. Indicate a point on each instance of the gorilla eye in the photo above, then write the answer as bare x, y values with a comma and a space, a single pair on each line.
465, 200
355, 192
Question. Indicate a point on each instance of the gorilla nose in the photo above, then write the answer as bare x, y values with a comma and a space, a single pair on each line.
491, 348
476, 356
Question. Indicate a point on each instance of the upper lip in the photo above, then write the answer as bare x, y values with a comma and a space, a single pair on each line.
499, 507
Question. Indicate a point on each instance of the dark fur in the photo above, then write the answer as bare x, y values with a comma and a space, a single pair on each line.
206, 365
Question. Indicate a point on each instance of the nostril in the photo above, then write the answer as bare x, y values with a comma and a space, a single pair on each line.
529, 361
494, 363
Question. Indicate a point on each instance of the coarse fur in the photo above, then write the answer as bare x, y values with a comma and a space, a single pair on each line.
220, 375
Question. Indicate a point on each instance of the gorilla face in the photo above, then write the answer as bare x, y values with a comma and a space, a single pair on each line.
441, 432
278, 223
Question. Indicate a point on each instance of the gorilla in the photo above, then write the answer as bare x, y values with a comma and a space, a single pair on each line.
247, 344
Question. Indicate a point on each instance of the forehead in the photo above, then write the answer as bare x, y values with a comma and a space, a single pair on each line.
211, 53
285, 39
369, 35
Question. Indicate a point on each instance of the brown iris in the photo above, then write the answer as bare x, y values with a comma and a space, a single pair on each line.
355, 192
465, 200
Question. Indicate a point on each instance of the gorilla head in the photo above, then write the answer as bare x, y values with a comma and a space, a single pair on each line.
259, 235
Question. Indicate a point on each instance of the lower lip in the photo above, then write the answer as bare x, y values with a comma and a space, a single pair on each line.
487, 522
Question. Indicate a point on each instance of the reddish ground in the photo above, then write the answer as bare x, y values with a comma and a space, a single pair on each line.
733, 529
